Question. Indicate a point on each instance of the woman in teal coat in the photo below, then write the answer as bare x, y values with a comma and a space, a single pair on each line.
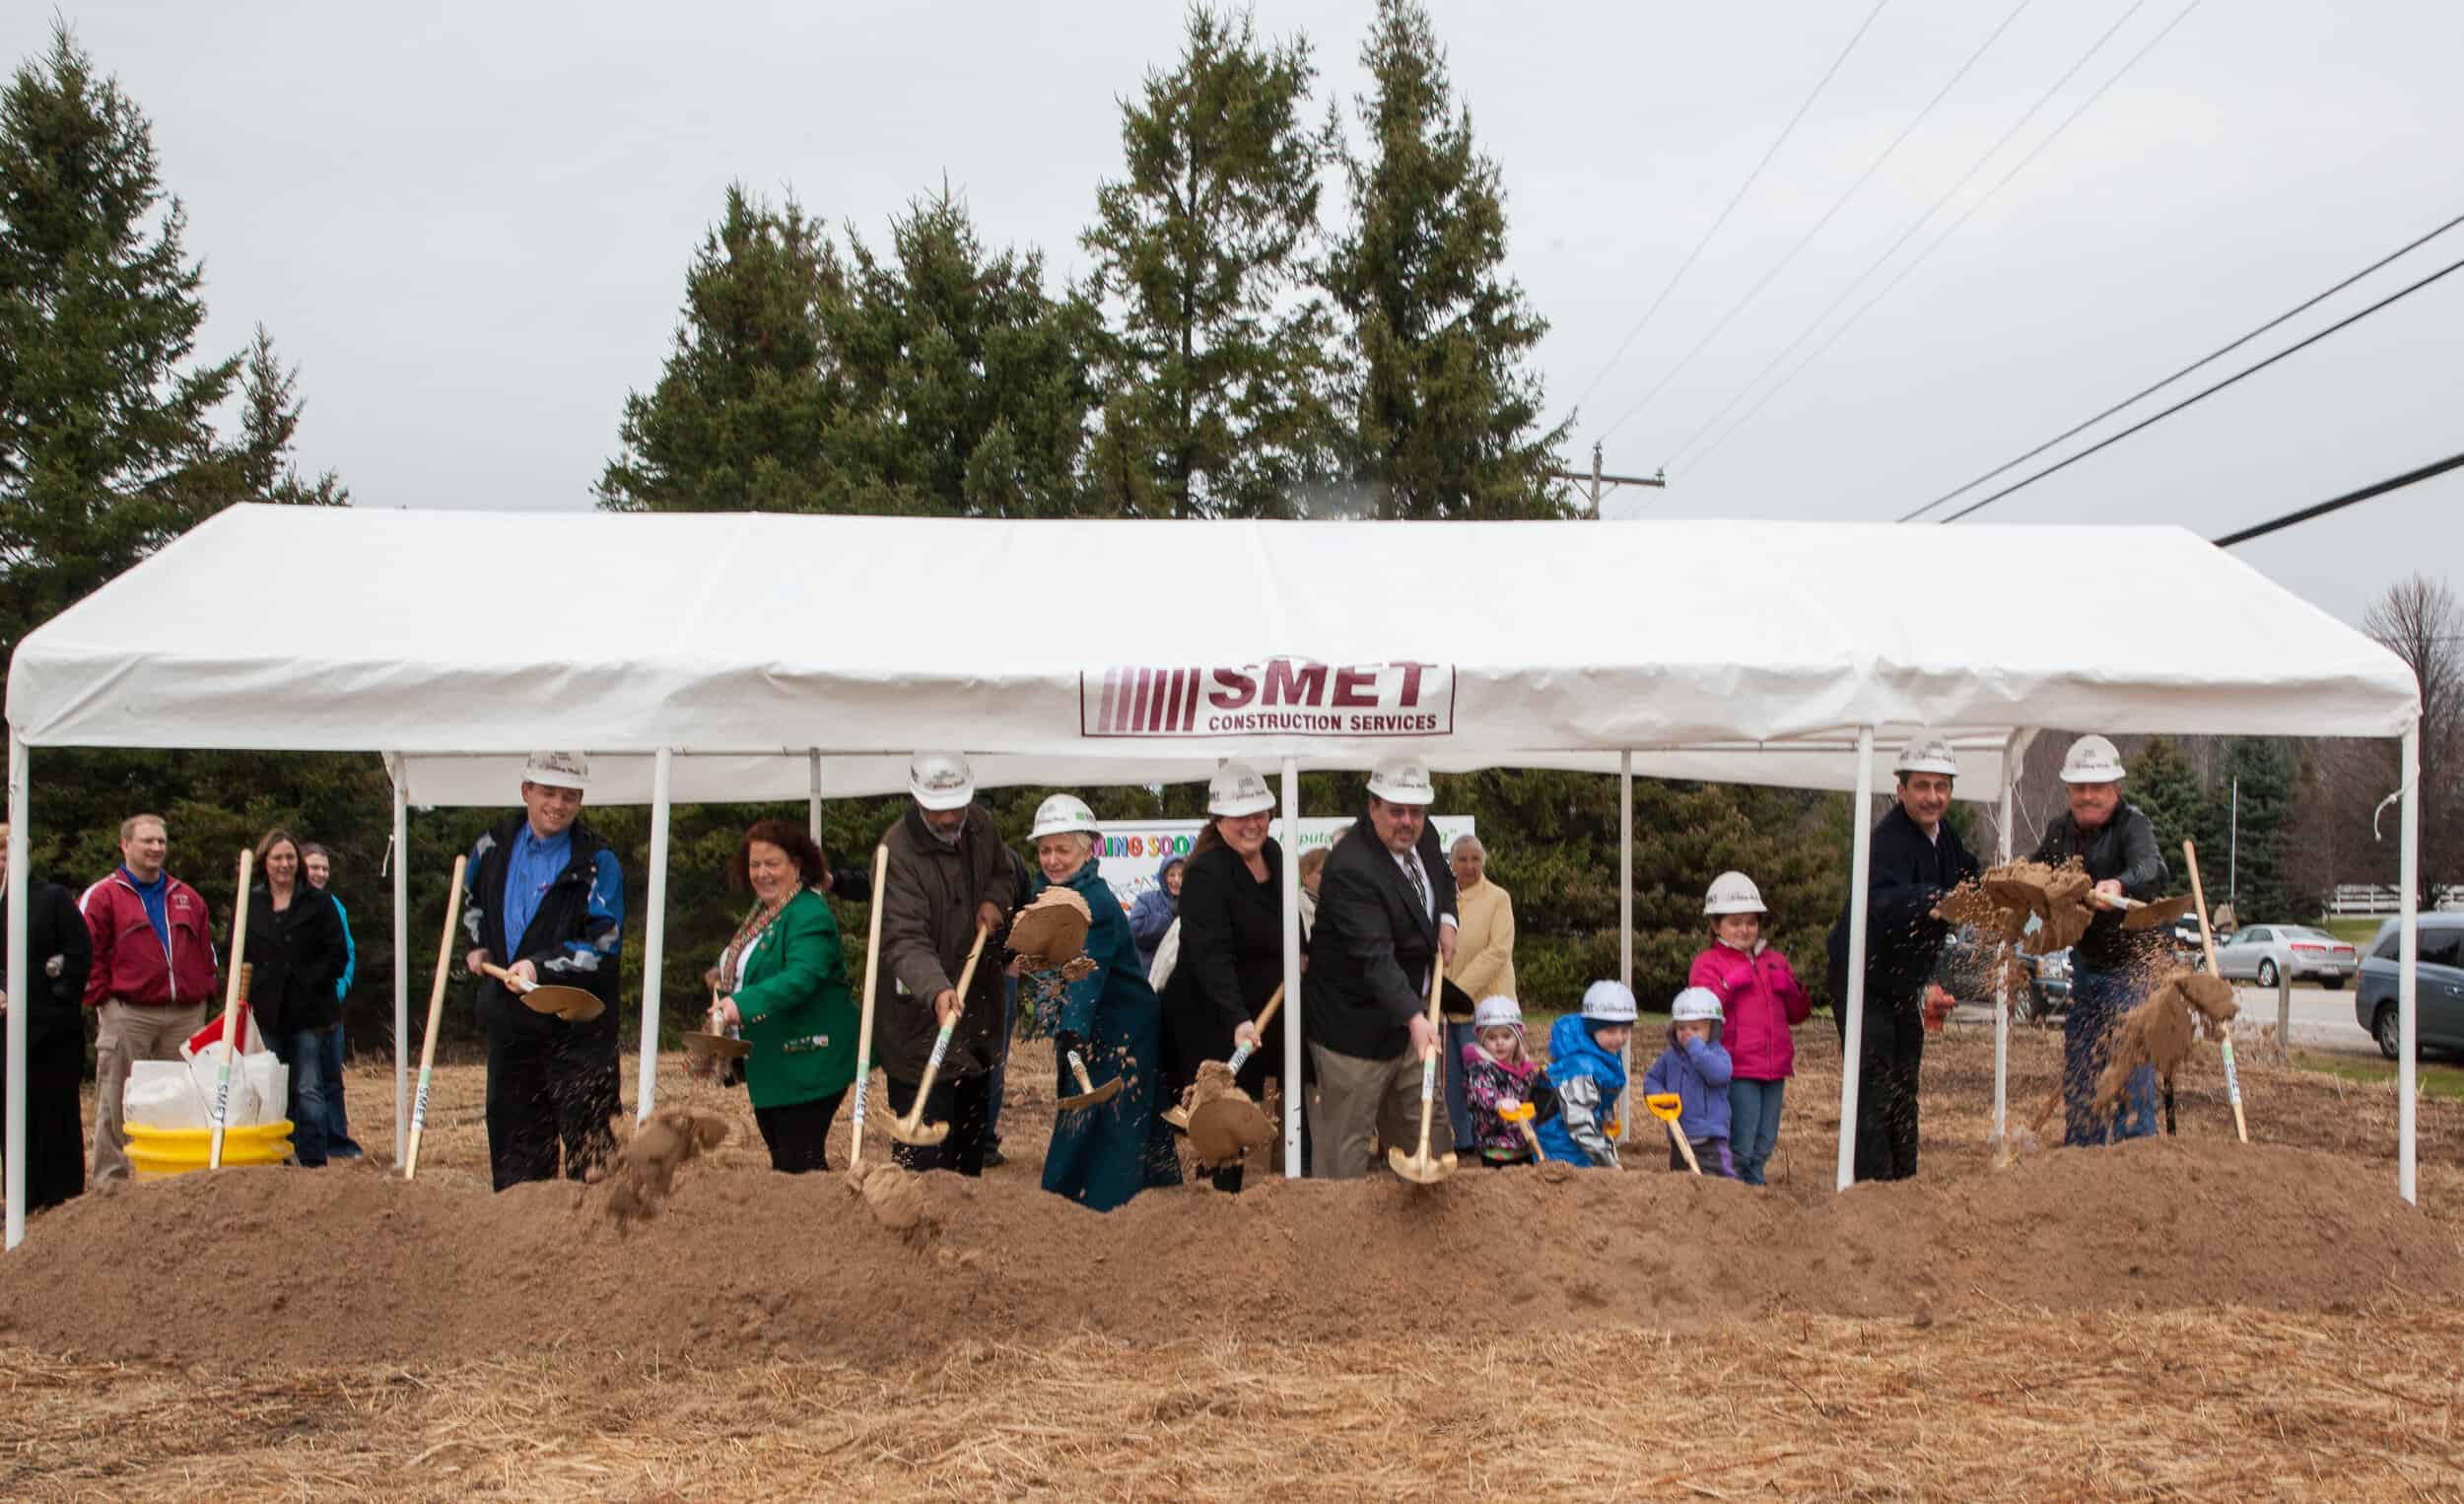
1101, 1155
783, 982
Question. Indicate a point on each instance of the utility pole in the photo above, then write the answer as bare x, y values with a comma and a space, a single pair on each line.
2233, 854
1602, 484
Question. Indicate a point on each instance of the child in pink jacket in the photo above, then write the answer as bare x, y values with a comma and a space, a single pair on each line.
1763, 1000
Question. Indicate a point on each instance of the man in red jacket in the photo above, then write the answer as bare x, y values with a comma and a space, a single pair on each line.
153, 971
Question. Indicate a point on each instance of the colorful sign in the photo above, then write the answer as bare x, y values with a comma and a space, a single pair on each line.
1133, 848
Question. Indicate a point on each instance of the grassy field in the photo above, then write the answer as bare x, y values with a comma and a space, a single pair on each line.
2353, 929
2436, 1080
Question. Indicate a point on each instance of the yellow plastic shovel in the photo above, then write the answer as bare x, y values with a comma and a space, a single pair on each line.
1665, 1106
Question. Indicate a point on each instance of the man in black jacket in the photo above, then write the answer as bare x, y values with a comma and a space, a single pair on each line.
546, 901
58, 954
2115, 841
1386, 919
1917, 858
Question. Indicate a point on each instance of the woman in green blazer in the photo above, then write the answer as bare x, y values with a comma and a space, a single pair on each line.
783, 984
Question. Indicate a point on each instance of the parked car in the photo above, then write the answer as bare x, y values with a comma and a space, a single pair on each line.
2262, 953
2438, 991
2048, 986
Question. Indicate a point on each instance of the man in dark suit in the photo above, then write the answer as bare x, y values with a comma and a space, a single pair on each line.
1385, 917
58, 955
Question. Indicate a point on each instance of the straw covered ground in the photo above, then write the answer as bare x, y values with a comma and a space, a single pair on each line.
2183, 1319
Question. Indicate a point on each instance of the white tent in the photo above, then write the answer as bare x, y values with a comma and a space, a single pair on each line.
766, 657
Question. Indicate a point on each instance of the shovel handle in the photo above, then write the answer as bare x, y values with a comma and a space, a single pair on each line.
873, 981
518, 984
1685, 1147
2207, 942
1077, 1068
1266, 1016
234, 1008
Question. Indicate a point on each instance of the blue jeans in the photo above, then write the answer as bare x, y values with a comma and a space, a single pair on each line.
338, 1141
1754, 1125
1000, 1076
1457, 1110
305, 1054
2098, 999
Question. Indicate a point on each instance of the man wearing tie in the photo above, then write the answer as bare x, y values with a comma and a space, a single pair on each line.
1385, 917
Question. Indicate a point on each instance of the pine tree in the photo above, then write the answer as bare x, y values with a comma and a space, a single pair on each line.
2266, 771
2166, 789
102, 435
1441, 407
971, 387
1217, 372
741, 418
261, 462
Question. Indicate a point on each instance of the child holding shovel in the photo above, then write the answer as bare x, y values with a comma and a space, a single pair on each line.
1761, 1002
1697, 1069
1499, 1080
1585, 1068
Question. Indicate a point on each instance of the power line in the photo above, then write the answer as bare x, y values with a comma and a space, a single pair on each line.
1807, 238
1920, 222
2204, 392
2392, 483
2204, 360
1738, 197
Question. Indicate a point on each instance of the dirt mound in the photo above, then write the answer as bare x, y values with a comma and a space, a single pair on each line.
351, 1267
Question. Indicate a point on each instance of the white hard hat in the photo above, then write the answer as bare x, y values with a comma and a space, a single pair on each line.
940, 779
1608, 1003
2092, 760
1927, 753
1401, 781
1496, 1012
1236, 790
556, 770
1732, 893
1061, 814
1693, 1004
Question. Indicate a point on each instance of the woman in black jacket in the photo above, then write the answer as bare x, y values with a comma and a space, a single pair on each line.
58, 954
1231, 943
296, 948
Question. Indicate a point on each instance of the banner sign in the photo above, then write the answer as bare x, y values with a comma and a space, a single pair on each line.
1280, 696
1133, 848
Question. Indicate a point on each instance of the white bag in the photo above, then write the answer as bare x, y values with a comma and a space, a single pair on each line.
161, 1094
1167, 956
269, 1081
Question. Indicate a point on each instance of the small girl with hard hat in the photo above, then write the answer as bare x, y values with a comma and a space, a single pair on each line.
1697, 1070
1500, 1080
1761, 1002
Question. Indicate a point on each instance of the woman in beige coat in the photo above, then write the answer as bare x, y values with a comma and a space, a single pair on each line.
1484, 963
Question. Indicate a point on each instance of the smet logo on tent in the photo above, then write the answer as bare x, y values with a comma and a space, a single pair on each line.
1286, 696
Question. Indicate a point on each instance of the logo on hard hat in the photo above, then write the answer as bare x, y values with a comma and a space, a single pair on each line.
1278, 696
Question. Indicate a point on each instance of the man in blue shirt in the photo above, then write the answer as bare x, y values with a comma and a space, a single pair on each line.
546, 901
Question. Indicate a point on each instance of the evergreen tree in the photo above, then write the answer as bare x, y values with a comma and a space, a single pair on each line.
1217, 372
741, 418
969, 387
102, 435
1442, 408
261, 462
2266, 771
2166, 788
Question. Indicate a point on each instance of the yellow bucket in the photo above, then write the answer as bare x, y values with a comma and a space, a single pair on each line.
161, 1153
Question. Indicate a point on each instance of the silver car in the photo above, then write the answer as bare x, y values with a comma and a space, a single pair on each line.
2262, 953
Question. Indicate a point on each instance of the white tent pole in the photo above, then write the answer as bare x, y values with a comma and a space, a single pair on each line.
655, 946
15, 1136
1625, 926
402, 957
1859, 868
1292, 969
812, 806
2002, 976
2408, 884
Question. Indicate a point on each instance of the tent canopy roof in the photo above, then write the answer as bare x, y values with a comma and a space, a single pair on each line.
1725, 650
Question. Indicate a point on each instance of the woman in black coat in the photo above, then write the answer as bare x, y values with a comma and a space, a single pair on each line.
296, 948
1231, 943
58, 955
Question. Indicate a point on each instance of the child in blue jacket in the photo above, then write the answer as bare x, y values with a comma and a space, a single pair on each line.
1585, 1069
1698, 1068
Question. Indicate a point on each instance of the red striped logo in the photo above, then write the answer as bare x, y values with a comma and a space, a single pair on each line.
1148, 702
1277, 697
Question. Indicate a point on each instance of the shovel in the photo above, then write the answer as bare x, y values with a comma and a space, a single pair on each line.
863, 1031
570, 1003
1521, 1116
2148, 913
234, 1015
713, 1043
911, 1129
436, 1014
1423, 1168
1665, 1106
1090, 1094
2207, 939
1179, 1115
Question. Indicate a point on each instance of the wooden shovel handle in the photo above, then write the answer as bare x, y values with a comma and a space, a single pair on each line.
518, 984
436, 1015
872, 987
2206, 942
1266, 1016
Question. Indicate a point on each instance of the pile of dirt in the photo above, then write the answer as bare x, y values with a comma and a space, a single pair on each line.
331, 1268
644, 1170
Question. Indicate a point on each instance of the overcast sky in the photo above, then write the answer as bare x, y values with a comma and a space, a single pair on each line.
470, 223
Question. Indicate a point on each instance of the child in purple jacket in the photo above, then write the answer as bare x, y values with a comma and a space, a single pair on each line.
1499, 1076
1697, 1069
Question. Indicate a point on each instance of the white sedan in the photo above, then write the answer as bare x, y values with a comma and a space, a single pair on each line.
2262, 953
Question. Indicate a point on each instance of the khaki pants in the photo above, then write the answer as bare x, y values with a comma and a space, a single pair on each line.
125, 1035
1355, 1096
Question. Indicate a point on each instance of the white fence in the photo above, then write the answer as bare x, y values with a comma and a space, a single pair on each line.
2362, 898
